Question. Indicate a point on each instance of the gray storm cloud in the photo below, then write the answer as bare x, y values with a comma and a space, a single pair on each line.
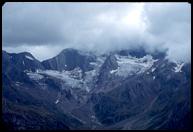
100, 27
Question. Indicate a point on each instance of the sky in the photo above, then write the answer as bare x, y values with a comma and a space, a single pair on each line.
45, 29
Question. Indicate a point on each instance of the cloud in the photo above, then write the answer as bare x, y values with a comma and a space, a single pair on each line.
170, 27
41, 52
101, 27
29, 23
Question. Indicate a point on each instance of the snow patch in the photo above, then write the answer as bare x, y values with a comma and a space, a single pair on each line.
57, 101
18, 83
78, 119
113, 71
153, 77
35, 76
28, 57
153, 69
100, 60
58, 98
93, 63
128, 65
71, 78
178, 67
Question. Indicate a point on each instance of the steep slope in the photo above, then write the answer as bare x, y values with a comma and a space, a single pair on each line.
157, 99
14, 65
29, 98
69, 59
22, 61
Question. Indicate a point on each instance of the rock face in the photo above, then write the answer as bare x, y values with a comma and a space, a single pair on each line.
127, 89
109, 64
22, 61
14, 65
69, 59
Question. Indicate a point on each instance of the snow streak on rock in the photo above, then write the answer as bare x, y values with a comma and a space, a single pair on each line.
34, 76
178, 67
28, 57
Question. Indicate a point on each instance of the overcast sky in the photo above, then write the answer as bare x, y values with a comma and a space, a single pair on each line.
44, 29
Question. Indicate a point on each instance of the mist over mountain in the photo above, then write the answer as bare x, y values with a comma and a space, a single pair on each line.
99, 27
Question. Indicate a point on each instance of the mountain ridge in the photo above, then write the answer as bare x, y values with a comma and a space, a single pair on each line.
117, 90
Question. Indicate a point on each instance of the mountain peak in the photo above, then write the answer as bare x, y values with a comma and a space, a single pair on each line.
68, 50
26, 54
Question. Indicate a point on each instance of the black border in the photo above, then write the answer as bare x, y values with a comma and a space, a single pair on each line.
2, 125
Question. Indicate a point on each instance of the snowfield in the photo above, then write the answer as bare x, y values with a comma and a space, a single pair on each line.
70, 78
128, 65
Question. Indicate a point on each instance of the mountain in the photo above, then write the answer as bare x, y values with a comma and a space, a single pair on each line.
14, 65
69, 59
125, 89
22, 61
